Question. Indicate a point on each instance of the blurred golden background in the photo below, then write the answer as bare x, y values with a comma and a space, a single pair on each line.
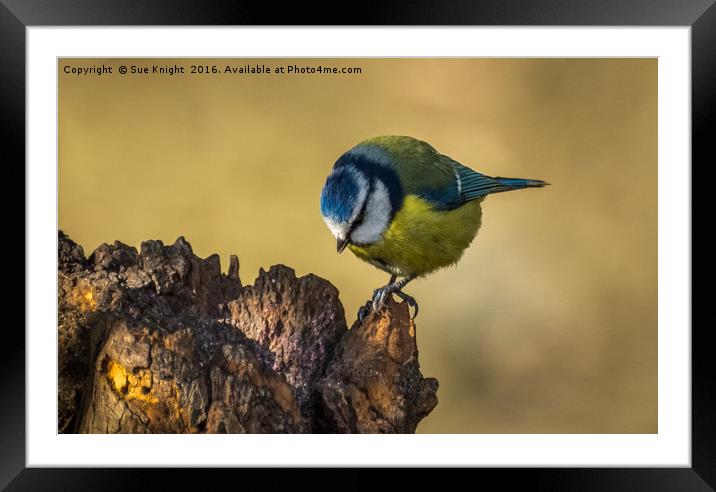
549, 322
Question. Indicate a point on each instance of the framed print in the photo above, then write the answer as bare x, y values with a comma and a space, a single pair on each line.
190, 171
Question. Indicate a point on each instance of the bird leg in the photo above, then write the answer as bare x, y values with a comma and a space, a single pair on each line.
380, 296
364, 310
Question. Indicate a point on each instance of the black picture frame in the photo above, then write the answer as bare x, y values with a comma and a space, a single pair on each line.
17, 15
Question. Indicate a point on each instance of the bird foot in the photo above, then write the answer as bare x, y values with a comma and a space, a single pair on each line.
380, 299
376, 303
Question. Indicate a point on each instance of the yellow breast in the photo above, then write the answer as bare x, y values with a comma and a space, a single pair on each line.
421, 239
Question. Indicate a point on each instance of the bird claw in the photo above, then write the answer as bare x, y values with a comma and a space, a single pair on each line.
375, 304
410, 300
380, 299
364, 311
380, 296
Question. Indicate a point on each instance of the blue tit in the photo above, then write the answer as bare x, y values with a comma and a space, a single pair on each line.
403, 207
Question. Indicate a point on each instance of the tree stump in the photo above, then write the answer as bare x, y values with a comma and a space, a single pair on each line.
161, 341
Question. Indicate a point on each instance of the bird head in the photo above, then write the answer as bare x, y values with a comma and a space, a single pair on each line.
355, 204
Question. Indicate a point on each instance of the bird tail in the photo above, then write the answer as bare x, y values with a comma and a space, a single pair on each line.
474, 185
518, 183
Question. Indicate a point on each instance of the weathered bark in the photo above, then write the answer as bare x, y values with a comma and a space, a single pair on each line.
160, 341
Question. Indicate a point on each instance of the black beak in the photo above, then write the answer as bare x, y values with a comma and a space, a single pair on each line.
341, 244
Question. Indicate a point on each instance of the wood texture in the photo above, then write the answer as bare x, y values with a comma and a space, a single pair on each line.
161, 341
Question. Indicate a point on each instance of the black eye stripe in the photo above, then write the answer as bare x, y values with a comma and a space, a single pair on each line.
361, 215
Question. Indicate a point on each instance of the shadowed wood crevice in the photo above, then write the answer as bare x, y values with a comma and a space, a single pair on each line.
160, 341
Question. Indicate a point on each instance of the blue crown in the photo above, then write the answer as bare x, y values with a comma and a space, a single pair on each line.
339, 195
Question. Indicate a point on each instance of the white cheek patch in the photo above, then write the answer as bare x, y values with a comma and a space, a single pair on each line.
377, 216
338, 230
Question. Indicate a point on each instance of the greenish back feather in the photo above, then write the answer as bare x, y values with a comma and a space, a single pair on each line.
422, 170
442, 181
